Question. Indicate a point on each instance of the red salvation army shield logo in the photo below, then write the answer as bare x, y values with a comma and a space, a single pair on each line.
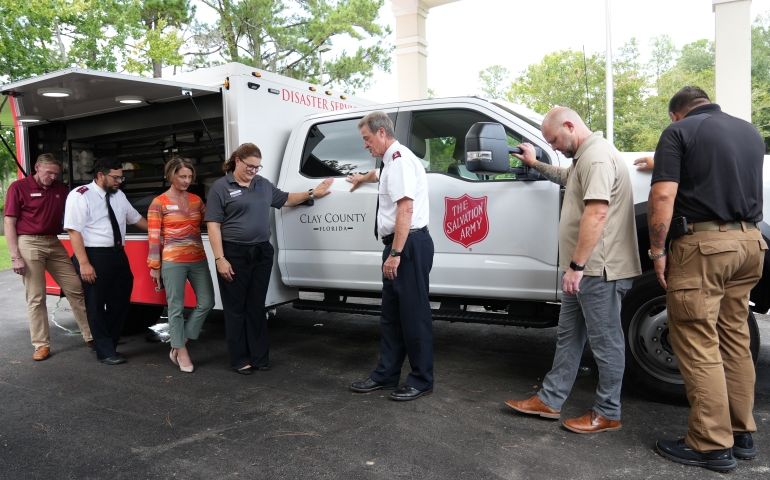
465, 219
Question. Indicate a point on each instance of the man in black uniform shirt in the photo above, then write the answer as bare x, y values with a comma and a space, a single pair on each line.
706, 197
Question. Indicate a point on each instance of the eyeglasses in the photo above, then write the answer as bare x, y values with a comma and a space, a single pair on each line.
250, 167
117, 178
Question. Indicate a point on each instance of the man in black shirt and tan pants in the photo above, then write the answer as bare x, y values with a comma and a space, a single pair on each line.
706, 197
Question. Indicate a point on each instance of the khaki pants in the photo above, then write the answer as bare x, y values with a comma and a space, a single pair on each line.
43, 253
710, 276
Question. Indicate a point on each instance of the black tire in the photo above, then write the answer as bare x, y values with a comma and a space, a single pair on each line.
140, 317
651, 365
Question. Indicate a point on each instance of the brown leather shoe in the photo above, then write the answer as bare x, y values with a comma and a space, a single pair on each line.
533, 406
591, 422
41, 353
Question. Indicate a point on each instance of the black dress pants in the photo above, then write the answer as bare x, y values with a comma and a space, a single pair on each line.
243, 302
109, 298
406, 323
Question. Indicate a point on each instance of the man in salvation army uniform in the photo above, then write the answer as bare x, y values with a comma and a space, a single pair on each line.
402, 223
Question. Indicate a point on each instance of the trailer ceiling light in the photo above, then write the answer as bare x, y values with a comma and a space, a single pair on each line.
54, 92
129, 99
29, 118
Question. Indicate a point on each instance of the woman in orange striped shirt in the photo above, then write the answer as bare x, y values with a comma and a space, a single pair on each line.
176, 254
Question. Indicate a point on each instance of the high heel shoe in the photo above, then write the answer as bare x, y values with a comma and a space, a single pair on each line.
188, 369
183, 368
172, 356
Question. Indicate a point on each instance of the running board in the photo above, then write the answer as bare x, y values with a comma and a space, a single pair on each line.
535, 315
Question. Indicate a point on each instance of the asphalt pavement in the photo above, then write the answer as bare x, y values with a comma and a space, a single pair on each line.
70, 417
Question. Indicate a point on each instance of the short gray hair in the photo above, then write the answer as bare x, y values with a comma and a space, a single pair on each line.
377, 120
49, 158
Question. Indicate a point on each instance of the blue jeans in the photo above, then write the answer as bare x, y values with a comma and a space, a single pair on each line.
594, 315
175, 275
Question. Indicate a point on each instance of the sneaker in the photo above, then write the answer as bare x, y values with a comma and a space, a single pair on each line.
743, 446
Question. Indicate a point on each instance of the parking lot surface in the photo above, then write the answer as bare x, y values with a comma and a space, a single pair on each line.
71, 417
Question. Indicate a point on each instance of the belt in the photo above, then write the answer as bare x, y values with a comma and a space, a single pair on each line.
714, 226
116, 248
388, 239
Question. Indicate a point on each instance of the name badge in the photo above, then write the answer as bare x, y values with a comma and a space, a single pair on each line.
235, 193
172, 207
37, 194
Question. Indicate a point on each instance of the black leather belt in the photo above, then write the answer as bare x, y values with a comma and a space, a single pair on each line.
388, 239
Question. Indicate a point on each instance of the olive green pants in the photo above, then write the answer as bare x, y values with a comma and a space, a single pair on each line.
175, 276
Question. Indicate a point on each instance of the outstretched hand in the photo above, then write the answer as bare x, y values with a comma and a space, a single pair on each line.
644, 164
322, 189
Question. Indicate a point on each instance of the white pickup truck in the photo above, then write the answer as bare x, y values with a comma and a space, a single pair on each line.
495, 235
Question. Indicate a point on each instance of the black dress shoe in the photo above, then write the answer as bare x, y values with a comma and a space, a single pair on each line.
407, 393
247, 370
743, 446
263, 368
678, 451
369, 385
114, 360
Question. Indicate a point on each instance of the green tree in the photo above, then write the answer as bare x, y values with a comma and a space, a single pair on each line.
159, 40
641, 91
663, 56
760, 76
495, 81
565, 78
629, 106
297, 38
27, 42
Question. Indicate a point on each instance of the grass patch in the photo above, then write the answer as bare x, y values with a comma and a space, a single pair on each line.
5, 257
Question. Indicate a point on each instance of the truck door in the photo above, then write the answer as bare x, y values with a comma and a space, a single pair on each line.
494, 237
329, 245
498, 234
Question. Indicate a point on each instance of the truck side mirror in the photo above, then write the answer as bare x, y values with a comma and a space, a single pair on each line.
487, 151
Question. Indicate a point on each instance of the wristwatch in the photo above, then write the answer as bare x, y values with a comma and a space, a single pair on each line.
310, 193
576, 267
395, 253
655, 256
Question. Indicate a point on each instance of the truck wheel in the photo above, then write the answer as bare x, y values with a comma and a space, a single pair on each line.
651, 365
140, 317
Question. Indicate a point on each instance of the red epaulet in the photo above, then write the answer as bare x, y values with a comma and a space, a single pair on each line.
82, 190
396, 155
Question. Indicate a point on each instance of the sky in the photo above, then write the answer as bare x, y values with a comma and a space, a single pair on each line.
467, 36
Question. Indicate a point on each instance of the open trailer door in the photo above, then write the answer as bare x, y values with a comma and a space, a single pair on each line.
79, 115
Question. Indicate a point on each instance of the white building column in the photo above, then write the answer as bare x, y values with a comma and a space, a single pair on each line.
732, 41
412, 46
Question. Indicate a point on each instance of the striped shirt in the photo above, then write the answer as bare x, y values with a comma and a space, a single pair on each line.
174, 231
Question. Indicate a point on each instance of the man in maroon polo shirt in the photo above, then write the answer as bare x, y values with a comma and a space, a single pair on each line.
34, 211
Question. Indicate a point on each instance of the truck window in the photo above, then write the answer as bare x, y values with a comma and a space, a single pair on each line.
334, 149
438, 138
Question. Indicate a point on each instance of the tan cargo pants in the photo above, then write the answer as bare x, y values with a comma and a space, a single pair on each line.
43, 253
710, 275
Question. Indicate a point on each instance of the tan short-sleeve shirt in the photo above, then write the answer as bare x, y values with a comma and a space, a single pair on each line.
599, 173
